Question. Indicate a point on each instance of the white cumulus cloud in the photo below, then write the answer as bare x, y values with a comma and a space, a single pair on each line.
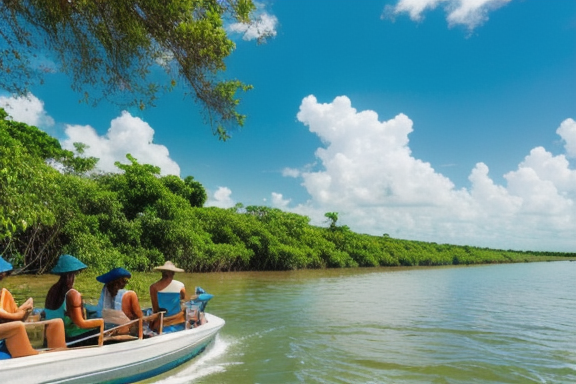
470, 13
567, 132
127, 134
368, 174
27, 109
221, 198
278, 201
360, 149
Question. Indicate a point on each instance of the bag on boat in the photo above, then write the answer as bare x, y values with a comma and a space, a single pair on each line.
193, 311
195, 307
114, 316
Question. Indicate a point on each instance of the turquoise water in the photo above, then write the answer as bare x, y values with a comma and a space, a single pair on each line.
512, 323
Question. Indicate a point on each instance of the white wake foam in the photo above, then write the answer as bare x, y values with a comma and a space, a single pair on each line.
205, 365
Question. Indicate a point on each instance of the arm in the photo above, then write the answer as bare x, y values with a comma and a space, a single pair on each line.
75, 312
28, 305
154, 297
131, 305
183, 293
9, 311
6, 317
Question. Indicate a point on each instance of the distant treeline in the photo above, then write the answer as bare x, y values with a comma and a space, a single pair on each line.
52, 202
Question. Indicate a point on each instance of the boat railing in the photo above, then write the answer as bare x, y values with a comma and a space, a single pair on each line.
120, 332
99, 335
185, 316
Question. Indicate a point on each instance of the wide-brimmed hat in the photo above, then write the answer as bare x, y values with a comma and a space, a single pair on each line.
169, 266
67, 264
113, 274
4, 265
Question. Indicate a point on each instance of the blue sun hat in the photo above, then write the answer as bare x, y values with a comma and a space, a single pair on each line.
113, 274
67, 264
5, 266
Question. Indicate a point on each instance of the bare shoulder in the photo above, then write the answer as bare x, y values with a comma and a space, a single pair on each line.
73, 298
154, 287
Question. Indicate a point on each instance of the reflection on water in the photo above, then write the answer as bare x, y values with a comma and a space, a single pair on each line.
513, 323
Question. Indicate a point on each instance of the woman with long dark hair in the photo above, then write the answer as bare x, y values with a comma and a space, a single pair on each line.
64, 302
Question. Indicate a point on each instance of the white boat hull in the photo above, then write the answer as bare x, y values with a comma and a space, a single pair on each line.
125, 362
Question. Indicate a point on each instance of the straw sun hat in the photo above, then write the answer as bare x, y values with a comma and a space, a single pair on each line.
169, 266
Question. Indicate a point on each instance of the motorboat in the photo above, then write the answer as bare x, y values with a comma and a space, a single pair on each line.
120, 362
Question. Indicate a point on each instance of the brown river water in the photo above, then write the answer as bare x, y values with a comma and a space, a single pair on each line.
508, 323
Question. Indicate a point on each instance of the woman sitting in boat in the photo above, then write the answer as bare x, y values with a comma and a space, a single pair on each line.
13, 337
114, 297
9, 311
167, 295
64, 302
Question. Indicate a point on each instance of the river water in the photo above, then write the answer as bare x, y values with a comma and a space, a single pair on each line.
508, 323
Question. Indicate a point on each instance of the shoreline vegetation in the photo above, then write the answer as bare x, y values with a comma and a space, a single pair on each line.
53, 202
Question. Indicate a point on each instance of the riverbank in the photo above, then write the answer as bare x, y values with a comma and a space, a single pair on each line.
138, 219
36, 286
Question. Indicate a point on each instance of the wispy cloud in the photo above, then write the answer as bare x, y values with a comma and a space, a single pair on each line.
470, 13
263, 26
290, 172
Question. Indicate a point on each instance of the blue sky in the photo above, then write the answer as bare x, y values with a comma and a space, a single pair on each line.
436, 120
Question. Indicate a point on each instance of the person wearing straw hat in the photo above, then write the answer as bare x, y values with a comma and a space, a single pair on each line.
167, 295
115, 297
14, 340
64, 302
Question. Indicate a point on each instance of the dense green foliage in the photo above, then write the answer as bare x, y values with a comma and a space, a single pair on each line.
137, 219
117, 49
